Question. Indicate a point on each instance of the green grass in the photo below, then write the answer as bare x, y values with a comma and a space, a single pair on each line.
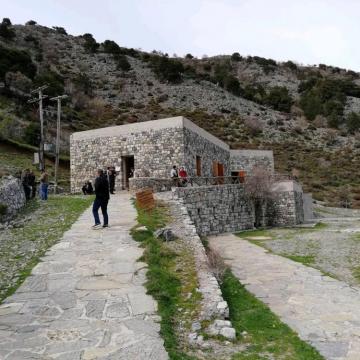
267, 336
307, 260
51, 219
167, 285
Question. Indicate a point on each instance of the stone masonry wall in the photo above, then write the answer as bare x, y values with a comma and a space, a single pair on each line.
287, 208
207, 150
12, 195
218, 209
154, 153
248, 159
156, 184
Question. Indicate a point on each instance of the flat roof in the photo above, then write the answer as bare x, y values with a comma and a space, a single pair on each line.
152, 125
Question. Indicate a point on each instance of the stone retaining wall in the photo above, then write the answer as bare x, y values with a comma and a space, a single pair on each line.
218, 209
12, 195
156, 184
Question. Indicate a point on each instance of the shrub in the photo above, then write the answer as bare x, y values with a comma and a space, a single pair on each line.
31, 22
60, 30
353, 122
90, 43
6, 31
253, 125
236, 57
32, 134
188, 56
232, 84
54, 81
167, 69
279, 99
122, 62
3, 209
291, 65
16, 60
111, 47
83, 83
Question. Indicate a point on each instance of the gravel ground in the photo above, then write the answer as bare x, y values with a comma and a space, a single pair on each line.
332, 247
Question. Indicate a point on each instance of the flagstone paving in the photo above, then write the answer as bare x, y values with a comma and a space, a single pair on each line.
323, 311
85, 299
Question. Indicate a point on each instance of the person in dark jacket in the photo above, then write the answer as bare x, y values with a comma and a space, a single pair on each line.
88, 189
111, 177
101, 199
25, 183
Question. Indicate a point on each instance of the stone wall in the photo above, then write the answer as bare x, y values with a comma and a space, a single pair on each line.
217, 209
286, 208
208, 148
248, 159
156, 184
12, 195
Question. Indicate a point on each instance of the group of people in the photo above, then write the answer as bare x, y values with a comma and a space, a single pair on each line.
110, 173
28, 180
179, 177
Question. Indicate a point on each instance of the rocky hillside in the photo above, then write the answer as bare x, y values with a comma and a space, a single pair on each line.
310, 115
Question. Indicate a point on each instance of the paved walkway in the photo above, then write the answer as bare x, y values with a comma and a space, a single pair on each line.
323, 311
85, 300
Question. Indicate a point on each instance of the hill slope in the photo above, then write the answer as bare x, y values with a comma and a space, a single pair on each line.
309, 115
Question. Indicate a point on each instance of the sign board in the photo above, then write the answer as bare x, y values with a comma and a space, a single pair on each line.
36, 159
49, 147
145, 199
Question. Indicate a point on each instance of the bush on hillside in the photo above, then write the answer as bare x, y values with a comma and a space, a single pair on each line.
236, 57
188, 56
90, 43
291, 65
353, 122
60, 30
31, 22
166, 69
32, 134
279, 99
16, 60
122, 62
54, 81
6, 31
83, 83
111, 47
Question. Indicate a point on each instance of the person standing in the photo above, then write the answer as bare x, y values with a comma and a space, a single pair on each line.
44, 184
101, 199
32, 183
174, 176
111, 177
183, 176
25, 183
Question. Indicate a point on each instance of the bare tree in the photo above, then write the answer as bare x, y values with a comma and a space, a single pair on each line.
258, 188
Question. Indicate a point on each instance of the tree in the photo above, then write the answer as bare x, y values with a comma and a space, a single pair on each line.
32, 134
353, 122
167, 69
188, 56
6, 31
31, 22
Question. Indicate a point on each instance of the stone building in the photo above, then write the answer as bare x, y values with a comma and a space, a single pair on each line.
151, 148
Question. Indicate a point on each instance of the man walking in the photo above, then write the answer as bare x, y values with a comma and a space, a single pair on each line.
101, 199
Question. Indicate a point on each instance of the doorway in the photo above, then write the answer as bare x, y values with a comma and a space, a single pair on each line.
127, 170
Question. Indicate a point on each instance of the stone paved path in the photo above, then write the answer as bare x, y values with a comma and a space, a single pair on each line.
86, 299
323, 311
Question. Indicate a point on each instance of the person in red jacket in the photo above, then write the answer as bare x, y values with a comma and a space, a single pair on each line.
183, 176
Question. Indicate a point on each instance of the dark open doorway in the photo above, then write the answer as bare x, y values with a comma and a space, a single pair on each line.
127, 170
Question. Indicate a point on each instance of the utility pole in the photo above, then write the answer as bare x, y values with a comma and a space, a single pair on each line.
57, 149
39, 99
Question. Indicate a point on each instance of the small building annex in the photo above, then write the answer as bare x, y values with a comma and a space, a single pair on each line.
151, 149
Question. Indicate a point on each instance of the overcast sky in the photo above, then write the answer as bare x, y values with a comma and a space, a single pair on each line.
306, 31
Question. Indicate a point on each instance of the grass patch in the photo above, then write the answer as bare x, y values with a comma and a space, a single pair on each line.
267, 336
307, 260
50, 219
167, 282
356, 273
253, 233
